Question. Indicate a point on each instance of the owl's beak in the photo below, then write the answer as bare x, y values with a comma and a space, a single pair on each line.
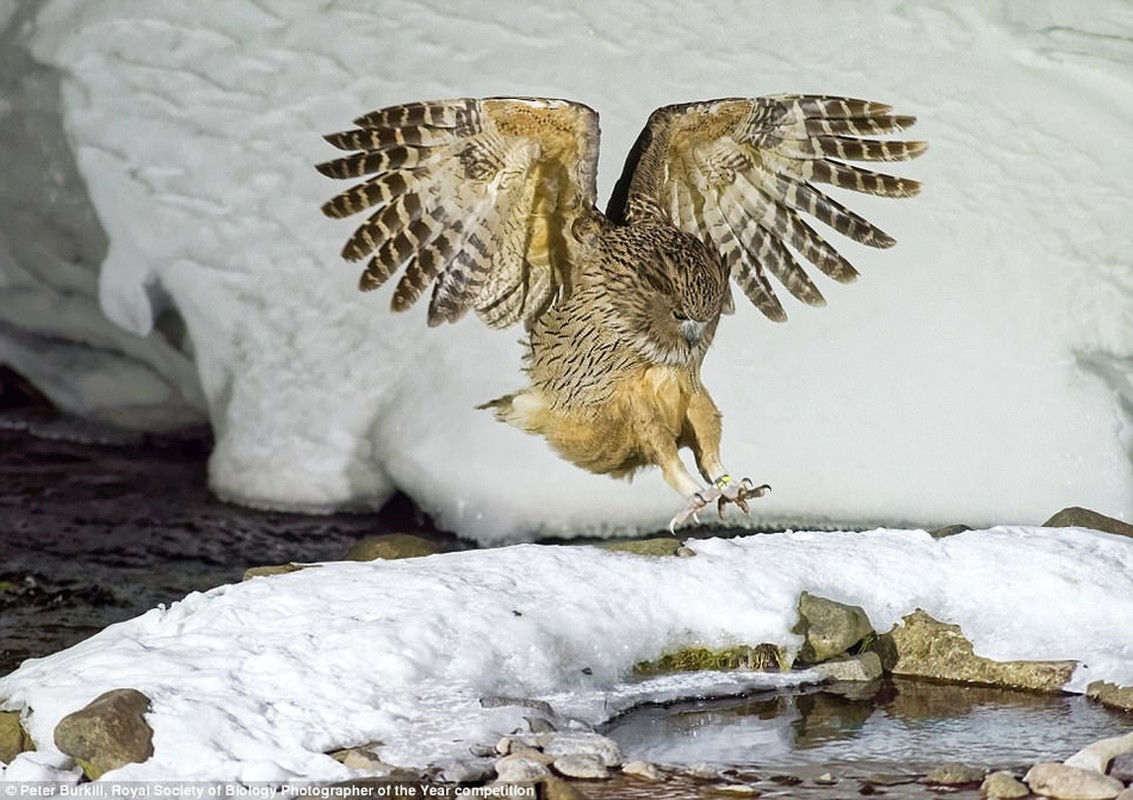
693, 330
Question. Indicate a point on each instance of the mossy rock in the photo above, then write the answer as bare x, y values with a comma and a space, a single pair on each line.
1078, 517
13, 738
765, 657
274, 569
392, 546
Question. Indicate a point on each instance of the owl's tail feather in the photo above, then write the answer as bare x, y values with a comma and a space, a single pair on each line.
524, 409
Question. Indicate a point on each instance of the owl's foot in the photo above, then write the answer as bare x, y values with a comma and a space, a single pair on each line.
738, 493
723, 491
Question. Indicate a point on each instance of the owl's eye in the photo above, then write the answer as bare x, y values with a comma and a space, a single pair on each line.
679, 317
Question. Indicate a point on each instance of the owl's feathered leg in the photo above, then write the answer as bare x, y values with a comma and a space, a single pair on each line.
703, 430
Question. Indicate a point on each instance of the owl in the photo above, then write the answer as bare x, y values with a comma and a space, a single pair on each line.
491, 204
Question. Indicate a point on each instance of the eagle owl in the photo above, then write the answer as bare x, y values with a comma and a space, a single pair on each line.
492, 202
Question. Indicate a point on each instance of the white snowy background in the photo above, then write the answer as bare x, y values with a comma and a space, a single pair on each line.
163, 260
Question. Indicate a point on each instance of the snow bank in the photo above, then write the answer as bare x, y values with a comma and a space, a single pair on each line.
980, 371
256, 681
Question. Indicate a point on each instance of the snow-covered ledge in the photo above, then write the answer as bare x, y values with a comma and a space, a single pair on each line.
162, 255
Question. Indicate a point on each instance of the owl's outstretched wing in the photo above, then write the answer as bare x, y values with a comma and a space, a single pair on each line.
738, 172
477, 197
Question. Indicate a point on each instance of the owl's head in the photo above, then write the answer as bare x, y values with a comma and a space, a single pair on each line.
681, 288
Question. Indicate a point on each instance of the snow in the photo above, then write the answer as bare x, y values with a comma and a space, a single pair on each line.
256, 681
980, 371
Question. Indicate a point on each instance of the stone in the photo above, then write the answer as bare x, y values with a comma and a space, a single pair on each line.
731, 790
107, 733
928, 648
1110, 694
826, 779
658, 547
1122, 768
955, 775
1097, 756
13, 738
584, 766
948, 530
520, 769
1071, 783
830, 628
862, 668
468, 771
570, 743
1077, 517
642, 769
392, 546
1003, 785
1126, 795
275, 569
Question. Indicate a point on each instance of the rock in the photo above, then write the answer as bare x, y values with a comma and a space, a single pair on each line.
829, 627
390, 546
1097, 756
931, 649
1110, 694
659, 546
571, 743
642, 769
1003, 785
1122, 768
275, 569
13, 739
1126, 795
731, 790
948, 530
1077, 517
476, 771
826, 779
109, 732
520, 769
585, 766
862, 668
1071, 783
955, 775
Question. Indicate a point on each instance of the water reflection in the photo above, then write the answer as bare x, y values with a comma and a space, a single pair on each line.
904, 725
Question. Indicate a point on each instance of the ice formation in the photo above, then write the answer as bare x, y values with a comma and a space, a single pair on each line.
162, 256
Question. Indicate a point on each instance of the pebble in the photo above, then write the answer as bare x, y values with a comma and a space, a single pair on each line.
826, 779
732, 790
642, 769
584, 766
955, 775
1097, 756
1003, 785
1071, 783
570, 743
1122, 768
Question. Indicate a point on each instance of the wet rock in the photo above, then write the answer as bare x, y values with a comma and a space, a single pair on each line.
1077, 517
1110, 694
390, 546
1071, 783
109, 732
584, 766
731, 790
517, 768
476, 771
1003, 786
764, 657
13, 739
928, 648
862, 668
826, 779
955, 775
1097, 756
572, 743
362, 757
1122, 768
830, 628
642, 769
660, 546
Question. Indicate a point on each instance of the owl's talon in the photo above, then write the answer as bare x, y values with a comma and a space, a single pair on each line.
739, 493
695, 503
